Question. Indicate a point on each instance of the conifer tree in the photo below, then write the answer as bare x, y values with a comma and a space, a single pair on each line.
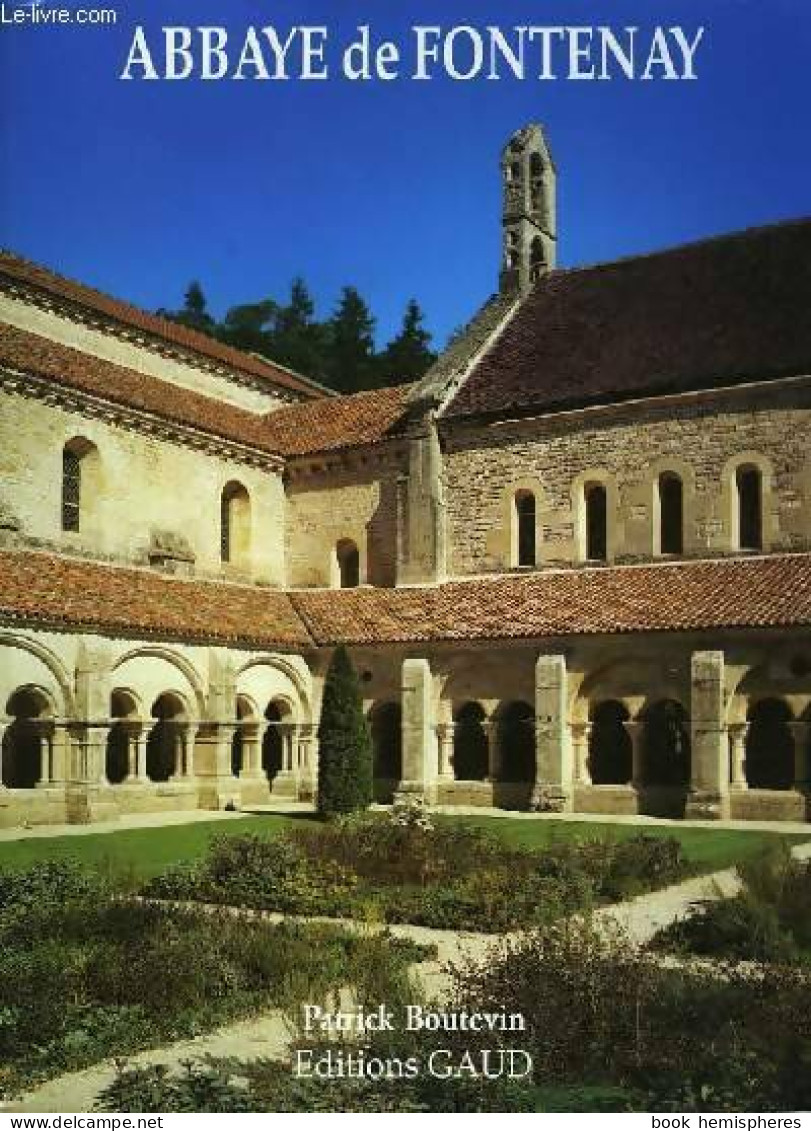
351, 344
408, 356
345, 776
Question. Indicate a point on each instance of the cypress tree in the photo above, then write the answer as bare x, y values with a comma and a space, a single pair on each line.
345, 761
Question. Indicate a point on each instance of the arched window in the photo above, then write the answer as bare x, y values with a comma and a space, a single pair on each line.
671, 513
348, 560
516, 742
749, 491
235, 524
77, 483
470, 745
386, 725
610, 760
537, 259
596, 522
770, 746
524, 504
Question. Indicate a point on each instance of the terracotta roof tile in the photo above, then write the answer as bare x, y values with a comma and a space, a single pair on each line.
717, 312
49, 589
16, 269
768, 592
63, 365
745, 592
327, 424
343, 422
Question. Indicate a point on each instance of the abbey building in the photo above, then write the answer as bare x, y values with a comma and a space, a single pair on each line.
572, 564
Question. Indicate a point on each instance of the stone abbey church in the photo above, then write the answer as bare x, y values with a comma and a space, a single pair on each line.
572, 565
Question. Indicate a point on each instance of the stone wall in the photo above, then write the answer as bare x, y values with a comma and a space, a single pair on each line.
701, 438
342, 501
48, 324
138, 486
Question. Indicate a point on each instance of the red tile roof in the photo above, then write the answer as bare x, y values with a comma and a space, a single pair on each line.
746, 593
49, 589
74, 369
343, 422
767, 592
711, 313
15, 269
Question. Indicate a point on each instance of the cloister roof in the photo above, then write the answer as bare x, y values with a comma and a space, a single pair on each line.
717, 312
54, 590
762, 592
17, 270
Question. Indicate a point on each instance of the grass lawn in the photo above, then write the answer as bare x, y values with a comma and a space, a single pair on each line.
137, 854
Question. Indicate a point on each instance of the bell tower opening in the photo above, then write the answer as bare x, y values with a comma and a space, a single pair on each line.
529, 221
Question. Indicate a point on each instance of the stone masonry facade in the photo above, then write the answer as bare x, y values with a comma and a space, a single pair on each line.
572, 564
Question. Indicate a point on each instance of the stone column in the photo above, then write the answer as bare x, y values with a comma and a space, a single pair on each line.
5, 723
799, 733
553, 753
580, 743
737, 754
445, 732
286, 781
490, 728
88, 798
419, 736
709, 780
636, 731
308, 763
187, 736
253, 735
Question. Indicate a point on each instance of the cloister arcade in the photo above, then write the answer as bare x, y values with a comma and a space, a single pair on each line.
150, 727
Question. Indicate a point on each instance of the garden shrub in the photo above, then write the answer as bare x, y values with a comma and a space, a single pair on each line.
404, 868
768, 921
345, 774
599, 1010
736, 929
97, 976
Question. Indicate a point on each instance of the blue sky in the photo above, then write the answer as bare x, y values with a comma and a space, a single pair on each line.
139, 187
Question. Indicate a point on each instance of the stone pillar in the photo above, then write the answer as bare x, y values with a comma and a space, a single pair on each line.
738, 733
186, 737
709, 780
5, 723
490, 728
421, 517
285, 783
636, 733
799, 733
553, 753
580, 743
445, 733
253, 735
88, 795
307, 773
419, 735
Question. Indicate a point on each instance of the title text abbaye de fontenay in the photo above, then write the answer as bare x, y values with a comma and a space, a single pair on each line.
462, 53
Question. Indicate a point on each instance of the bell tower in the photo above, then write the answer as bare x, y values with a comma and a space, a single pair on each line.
529, 222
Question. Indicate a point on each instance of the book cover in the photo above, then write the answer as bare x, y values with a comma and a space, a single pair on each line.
405, 560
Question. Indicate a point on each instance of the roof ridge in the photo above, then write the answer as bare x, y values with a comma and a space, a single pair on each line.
672, 249
158, 325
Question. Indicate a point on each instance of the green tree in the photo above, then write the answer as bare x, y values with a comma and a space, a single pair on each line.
345, 759
251, 326
351, 359
194, 312
300, 342
407, 356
